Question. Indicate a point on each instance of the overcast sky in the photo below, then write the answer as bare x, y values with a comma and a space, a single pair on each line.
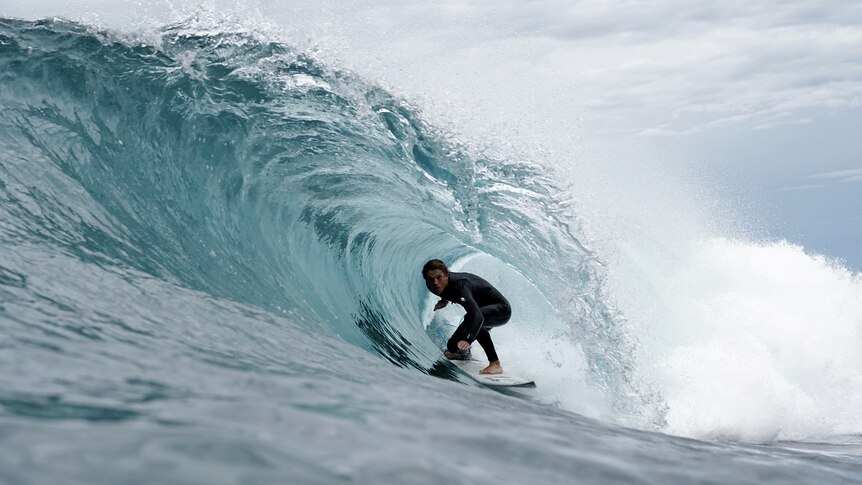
761, 100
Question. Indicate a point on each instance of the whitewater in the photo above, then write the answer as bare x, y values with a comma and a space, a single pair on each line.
210, 254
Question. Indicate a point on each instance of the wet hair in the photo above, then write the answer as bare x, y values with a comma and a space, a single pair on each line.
432, 265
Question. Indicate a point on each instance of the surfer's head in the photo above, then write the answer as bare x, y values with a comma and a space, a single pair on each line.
436, 276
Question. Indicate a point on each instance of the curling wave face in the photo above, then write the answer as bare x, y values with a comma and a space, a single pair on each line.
239, 168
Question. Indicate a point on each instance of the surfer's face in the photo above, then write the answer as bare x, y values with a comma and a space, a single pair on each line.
436, 281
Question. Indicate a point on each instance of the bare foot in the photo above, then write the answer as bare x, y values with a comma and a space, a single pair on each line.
493, 368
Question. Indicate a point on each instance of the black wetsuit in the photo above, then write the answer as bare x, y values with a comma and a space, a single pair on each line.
486, 308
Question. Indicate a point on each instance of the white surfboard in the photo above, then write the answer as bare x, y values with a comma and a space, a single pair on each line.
472, 367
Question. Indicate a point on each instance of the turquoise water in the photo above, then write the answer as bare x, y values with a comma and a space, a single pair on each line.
210, 273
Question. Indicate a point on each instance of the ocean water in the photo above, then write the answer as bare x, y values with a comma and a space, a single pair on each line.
210, 245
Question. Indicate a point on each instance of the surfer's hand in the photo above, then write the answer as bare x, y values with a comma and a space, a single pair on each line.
440, 304
463, 345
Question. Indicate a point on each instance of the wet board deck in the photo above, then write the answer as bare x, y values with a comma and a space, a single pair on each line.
472, 367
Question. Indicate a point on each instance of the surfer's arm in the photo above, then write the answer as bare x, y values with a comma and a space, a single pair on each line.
474, 318
440, 304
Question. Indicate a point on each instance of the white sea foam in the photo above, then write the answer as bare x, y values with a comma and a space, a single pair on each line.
755, 342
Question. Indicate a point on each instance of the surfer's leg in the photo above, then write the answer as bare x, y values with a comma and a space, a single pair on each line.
452, 350
484, 339
495, 316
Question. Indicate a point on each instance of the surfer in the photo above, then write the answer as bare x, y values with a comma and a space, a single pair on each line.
486, 308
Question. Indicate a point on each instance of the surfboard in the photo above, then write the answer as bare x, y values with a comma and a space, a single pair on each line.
473, 366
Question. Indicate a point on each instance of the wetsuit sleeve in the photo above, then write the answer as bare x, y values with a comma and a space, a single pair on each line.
474, 318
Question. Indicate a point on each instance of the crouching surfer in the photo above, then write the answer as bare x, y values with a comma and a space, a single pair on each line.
486, 308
